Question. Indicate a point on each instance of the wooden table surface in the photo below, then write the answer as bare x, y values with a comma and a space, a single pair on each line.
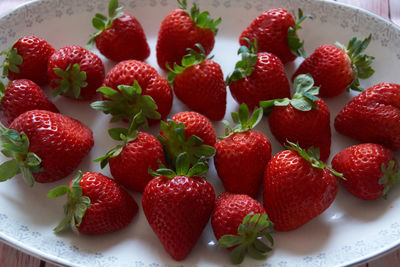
388, 9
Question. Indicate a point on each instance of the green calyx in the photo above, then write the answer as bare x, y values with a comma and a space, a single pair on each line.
303, 99
11, 62
174, 142
2, 90
245, 66
76, 206
191, 59
126, 103
101, 22
244, 122
249, 238
183, 168
312, 156
297, 46
16, 146
360, 62
71, 82
391, 177
203, 19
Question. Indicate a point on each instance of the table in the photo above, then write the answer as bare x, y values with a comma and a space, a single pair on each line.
388, 9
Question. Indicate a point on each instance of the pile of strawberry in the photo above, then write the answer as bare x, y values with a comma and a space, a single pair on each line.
169, 170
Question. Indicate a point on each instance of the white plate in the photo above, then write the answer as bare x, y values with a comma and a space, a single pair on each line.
350, 231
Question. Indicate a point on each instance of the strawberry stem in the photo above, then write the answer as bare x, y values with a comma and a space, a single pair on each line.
297, 46
71, 82
11, 62
391, 177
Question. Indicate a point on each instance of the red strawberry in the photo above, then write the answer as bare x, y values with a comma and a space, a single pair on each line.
199, 83
27, 59
304, 119
96, 205
373, 116
241, 156
257, 77
151, 83
178, 206
297, 187
75, 72
275, 32
21, 96
45, 146
183, 29
370, 170
239, 222
336, 69
119, 37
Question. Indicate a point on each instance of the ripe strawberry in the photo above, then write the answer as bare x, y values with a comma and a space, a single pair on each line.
119, 37
373, 116
45, 146
151, 83
275, 32
369, 169
304, 119
337, 68
178, 205
21, 96
297, 187
257, 77
199, 83
239, 222
75, 72
27, 59
241, 155
183, 29
96, 205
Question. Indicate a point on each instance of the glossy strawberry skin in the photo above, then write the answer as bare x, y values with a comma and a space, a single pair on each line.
130, 167
35, 53
331, 69
60, 141
177, 33
229, 211
361, 167
124, 40
240, 160
21, 96
294, 192
152, 84
373, 116
202, 88
196, 124
88, 62
268, 81
111, 207
177, 210
307, 128
270, 29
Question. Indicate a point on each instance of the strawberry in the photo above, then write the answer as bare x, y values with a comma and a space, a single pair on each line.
257, 77
199, 83
297, 187
96, 205
44, 146
151, 83
75, 72
178, 205
369, 169
241, 155
275, 32
304, 119
239, 222
182, 29
20, 96
27, 59
337, 68
119, 37
373, 116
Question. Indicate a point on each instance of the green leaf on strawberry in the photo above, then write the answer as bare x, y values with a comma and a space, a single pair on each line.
391, 177
297, 46
249, 238
244, 122
71, 82
11, 62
